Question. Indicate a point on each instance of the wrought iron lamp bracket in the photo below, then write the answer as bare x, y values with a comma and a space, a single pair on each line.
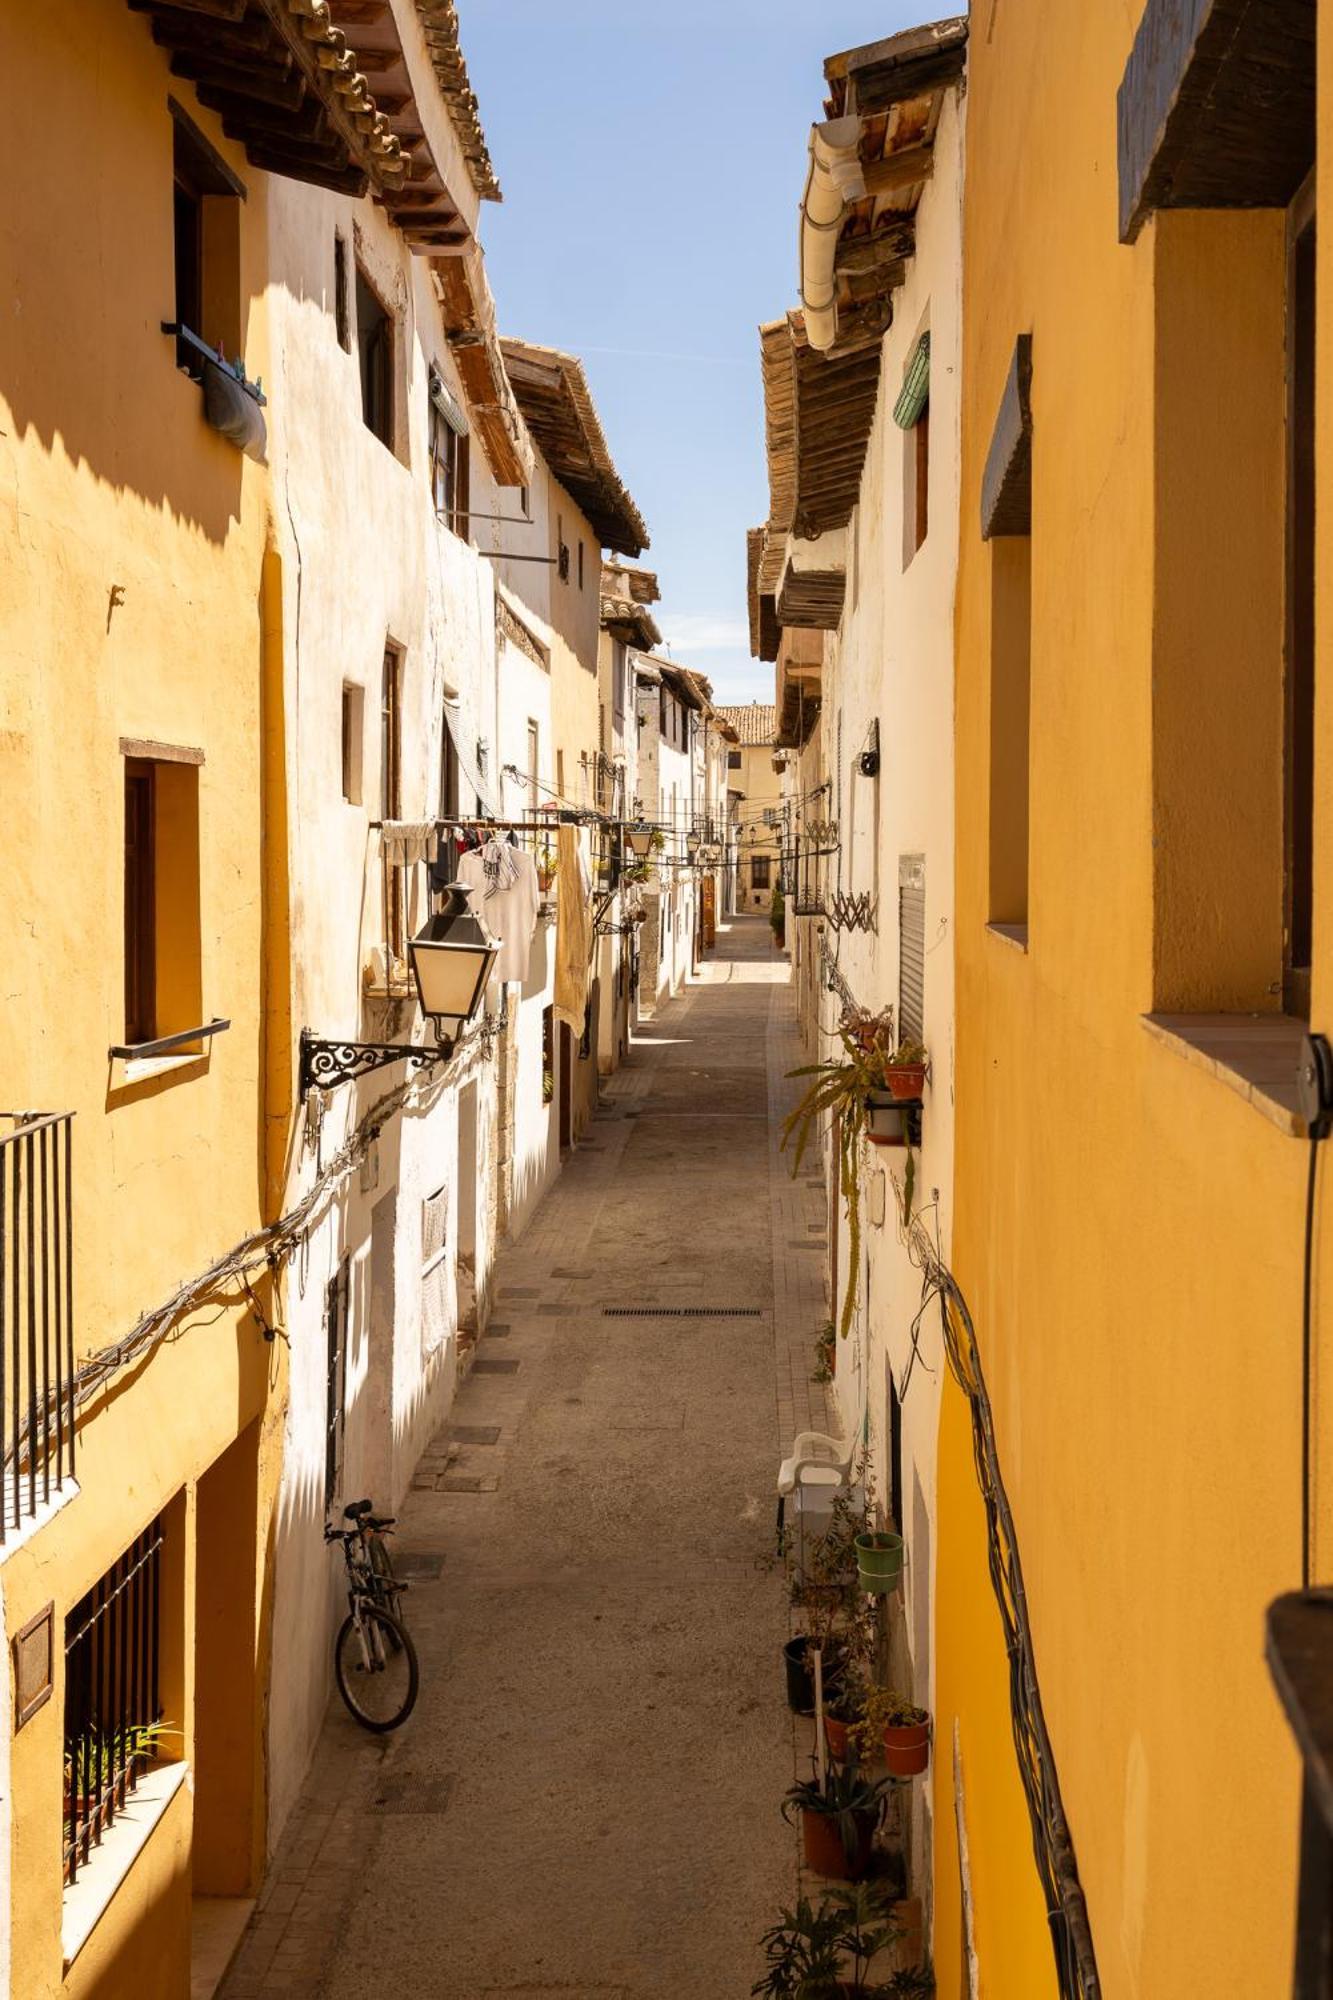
325, 1064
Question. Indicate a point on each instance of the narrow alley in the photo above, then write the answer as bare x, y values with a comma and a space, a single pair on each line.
585, 1802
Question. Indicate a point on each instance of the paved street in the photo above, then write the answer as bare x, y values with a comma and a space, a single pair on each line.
585, 1804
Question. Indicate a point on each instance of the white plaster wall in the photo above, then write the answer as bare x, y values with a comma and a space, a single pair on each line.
364, 561
525, 693
893, 660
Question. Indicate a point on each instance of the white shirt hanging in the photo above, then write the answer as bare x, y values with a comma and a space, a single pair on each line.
504, 899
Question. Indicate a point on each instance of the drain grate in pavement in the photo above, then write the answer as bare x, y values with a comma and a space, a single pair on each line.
682, 1312
485, 1366
413, 1792
418, 1565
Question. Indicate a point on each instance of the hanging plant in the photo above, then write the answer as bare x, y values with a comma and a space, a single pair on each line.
848, 1087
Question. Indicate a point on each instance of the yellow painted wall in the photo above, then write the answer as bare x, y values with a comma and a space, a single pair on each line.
575, 623
132, 543
1127, 1227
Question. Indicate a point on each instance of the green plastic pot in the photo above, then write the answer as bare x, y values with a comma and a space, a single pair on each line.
879, 1563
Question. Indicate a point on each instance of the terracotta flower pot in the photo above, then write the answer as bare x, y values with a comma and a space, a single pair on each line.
906, 1748
906, 1081
824, 1852
835, 1735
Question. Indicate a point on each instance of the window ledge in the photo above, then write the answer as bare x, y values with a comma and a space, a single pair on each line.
1014, 935
1256, 1055
94, 1888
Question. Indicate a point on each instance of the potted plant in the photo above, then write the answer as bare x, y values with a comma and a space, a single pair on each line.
798, 1660
842, 1710
879, 1561
548, 1086
827, 1953
837, 1088
829, 1600
777, 917
905, 1071
99, 1763
546, 869
826, 1353
890, 1722
839, 1816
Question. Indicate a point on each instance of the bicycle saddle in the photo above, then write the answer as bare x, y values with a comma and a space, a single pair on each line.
356, 1510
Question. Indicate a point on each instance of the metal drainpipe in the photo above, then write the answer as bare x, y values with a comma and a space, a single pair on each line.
834, 178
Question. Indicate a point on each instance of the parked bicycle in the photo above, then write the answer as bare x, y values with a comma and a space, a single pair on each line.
374, 1660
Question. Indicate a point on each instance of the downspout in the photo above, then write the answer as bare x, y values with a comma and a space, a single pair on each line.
834, 179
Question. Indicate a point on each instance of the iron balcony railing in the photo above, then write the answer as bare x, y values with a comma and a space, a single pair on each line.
113, 1713
36, 1311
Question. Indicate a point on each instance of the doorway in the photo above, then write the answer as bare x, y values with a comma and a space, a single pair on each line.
566, 1086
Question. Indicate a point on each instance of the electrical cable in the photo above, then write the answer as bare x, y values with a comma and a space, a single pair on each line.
271, 1246
1307, 1397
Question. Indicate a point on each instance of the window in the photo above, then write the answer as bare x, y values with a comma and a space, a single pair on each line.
335, 1338
342, 305
911, 413
449, 458
163, 970
140, 905
1006, 523
434, 1271
911, 947
1010, 695
580, 563
534, 765
113, 1704
895, 1453
560, 774
918, 441
761, 871
391, 790
353, 730
375, 356
206, 234
733, 760
1300, 702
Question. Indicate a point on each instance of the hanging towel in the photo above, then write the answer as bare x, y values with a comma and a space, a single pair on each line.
404, 840
573, 932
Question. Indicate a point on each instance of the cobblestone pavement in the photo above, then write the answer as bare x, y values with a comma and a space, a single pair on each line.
585, 1804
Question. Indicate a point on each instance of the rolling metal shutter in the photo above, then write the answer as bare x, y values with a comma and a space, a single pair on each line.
911, 947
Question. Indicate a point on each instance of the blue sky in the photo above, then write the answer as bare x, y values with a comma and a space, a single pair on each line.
651, 157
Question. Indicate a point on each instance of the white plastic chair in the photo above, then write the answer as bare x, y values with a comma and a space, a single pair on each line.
816, 1459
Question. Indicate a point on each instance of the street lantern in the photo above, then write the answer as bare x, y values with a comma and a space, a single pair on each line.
452, 959
692, 842
640, 838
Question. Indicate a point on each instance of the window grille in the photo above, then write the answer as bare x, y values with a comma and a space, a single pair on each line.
113, 1713
911, 947
36, 1312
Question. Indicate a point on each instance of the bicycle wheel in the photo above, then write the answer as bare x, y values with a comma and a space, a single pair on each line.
375, 1665
388, 1590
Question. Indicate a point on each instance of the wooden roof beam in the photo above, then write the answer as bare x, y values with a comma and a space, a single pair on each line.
284, 91
898, 170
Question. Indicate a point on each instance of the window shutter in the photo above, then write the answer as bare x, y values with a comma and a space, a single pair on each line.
434, 1271
915, 392
448, 405
911, 947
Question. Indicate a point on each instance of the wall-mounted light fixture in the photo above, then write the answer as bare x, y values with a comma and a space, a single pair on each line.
452, 960
868, 761
640, 838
